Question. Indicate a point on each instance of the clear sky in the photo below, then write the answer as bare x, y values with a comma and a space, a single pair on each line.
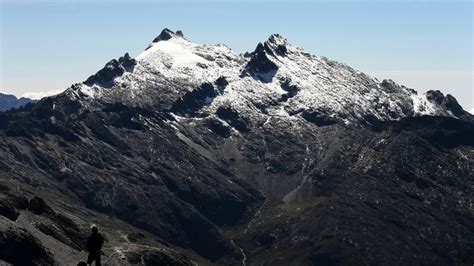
48, 45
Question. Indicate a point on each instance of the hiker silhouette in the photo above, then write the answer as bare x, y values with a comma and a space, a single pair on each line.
94, 245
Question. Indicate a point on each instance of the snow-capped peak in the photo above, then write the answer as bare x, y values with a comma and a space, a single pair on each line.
177, 51
278, 79
277, 39
167, 34
175, 57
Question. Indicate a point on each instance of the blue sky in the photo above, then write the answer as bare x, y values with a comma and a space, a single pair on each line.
48, 45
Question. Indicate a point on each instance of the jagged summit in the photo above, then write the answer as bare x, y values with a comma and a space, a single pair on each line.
111, 70
260, 66
167, 34
277, 43
277, 39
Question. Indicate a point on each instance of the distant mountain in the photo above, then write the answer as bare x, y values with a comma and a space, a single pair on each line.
193, 154
8, 102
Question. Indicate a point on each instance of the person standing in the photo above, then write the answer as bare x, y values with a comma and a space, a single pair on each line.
94, 245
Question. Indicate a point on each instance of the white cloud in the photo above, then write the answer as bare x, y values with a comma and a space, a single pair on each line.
41, 94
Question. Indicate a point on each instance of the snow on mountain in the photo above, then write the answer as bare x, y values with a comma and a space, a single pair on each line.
278, 79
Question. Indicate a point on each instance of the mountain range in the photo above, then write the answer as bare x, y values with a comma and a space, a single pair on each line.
8, 102
193, 154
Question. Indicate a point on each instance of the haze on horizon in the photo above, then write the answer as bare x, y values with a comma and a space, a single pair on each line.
49, 45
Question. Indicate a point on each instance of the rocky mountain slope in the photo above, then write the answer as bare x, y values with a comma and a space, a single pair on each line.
8, 102
192, 154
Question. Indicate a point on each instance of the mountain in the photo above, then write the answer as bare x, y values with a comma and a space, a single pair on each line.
277, 79
192, 153
8, 102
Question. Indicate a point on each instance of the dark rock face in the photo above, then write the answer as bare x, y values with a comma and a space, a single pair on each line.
281, 50
318, 118
448, 101
8, 211
127, 62
64, 229
221, 83
11, 204
156, 257
111, 70
194, 100
38, 206
260, 66
291, 90
452, 104
180, 33
435, 96
218, 128
390, 86
275, 41
49, 222
167, 34
232, 117
19, 247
